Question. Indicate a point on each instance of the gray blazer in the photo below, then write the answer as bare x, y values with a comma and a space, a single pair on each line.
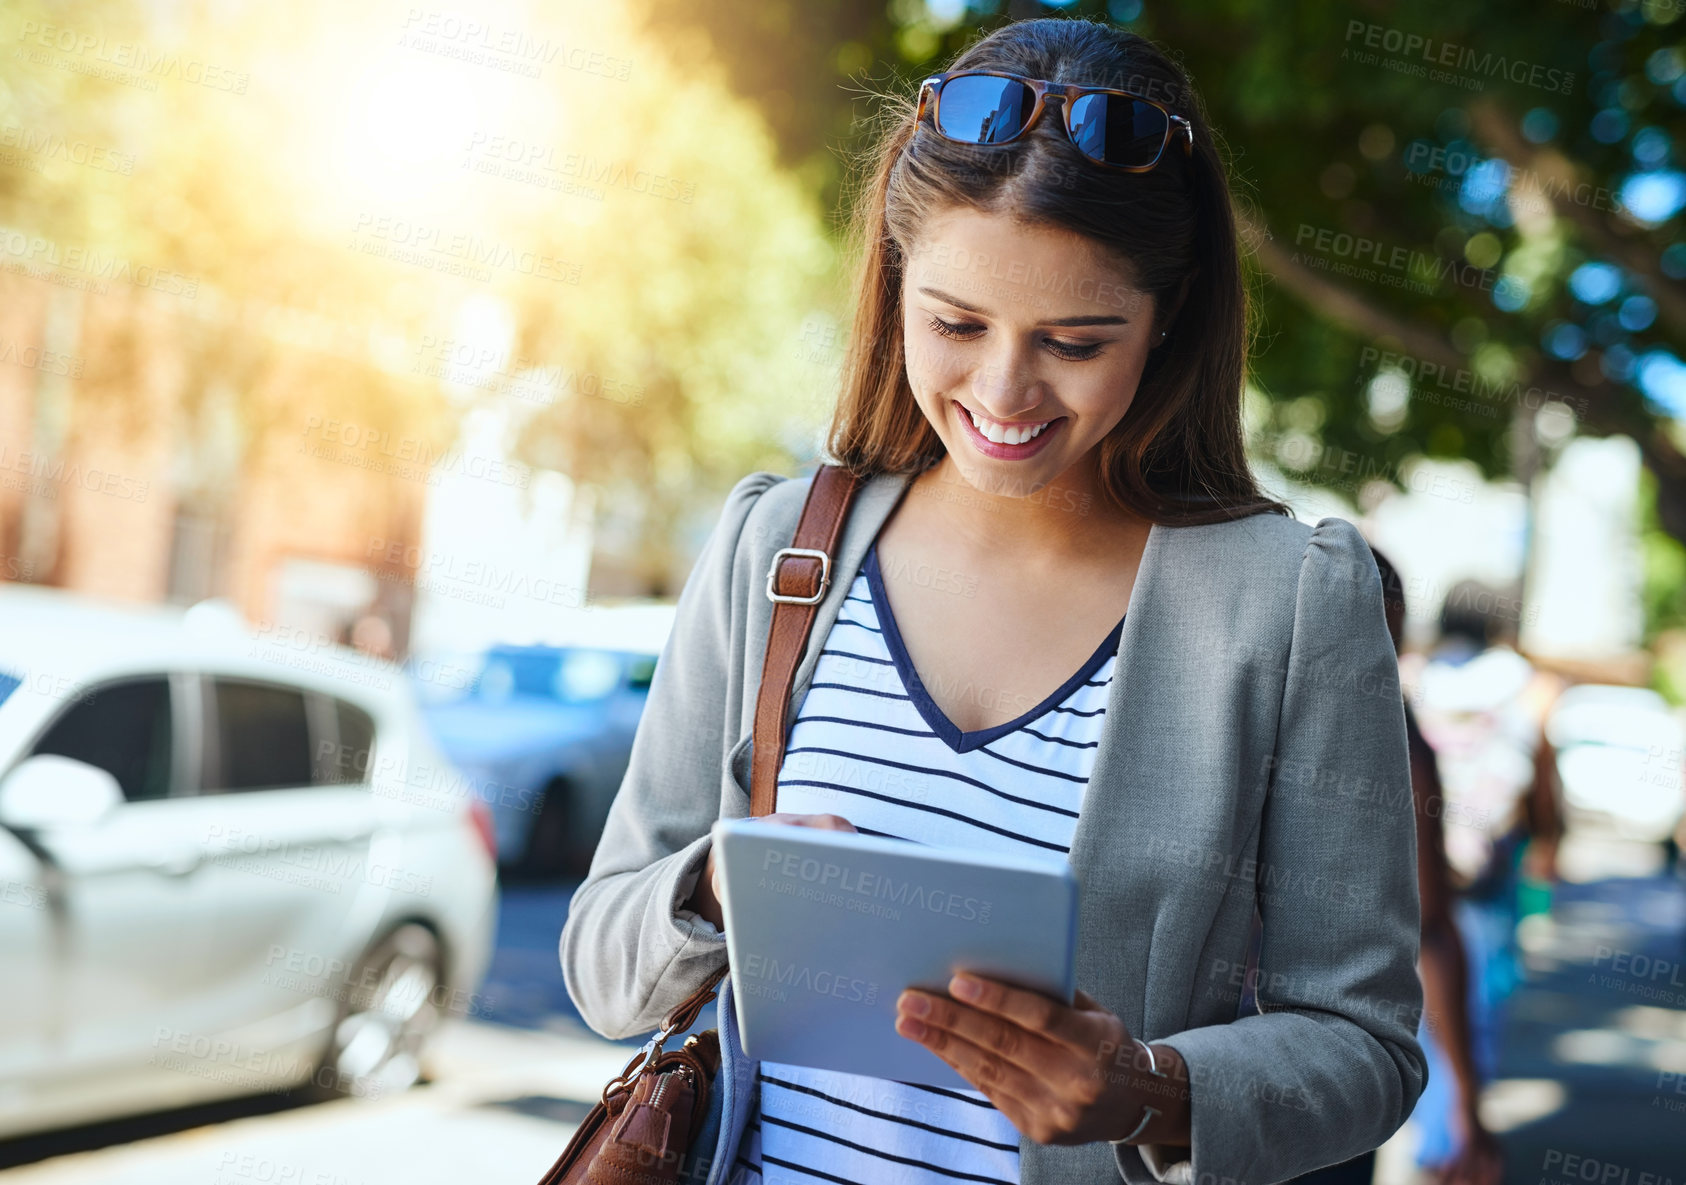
1253, 755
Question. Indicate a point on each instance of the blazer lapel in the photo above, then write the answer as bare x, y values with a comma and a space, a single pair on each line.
1125, 801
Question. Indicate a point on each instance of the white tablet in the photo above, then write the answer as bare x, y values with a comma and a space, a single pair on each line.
825, 928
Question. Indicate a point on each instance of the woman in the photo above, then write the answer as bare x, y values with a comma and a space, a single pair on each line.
1043, 395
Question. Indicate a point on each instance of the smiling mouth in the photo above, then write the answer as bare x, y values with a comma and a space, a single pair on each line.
999, 433
1006, 442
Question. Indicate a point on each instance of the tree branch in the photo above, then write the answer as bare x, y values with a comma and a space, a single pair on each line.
1331, 299
1550, 175
1600, 400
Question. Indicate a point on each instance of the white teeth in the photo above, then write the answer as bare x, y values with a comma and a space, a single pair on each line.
1005, 434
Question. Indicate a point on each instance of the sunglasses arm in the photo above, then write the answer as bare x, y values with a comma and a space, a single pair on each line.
927, 89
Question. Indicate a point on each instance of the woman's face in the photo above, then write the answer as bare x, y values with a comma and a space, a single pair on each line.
1024, 345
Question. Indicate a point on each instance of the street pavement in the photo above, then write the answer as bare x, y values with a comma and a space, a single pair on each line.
1600, 1031
501, 1108
1592, 1086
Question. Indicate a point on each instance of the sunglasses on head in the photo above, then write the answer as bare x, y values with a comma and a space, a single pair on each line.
1111, 127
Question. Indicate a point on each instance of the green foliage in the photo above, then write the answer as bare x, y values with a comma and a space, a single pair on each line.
1332, 134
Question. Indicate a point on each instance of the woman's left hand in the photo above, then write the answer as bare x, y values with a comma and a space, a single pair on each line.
1061, 1075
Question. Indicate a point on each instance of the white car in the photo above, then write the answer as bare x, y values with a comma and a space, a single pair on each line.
230, 862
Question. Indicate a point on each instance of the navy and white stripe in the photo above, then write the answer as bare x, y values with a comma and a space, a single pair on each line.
870, 744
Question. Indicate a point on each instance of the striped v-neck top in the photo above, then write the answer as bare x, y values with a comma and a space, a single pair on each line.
870, 744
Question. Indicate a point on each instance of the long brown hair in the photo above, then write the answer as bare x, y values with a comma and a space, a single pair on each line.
1177, 457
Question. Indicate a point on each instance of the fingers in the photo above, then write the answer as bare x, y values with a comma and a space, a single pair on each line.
1037, 1060
819, 822
1075, 1028
988, 1069
996, 1048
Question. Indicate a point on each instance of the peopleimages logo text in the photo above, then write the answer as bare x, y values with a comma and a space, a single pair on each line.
1433, 52
823, 982
875, 885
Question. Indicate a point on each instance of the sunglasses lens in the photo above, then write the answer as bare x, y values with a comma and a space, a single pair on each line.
1118, 130
982, 109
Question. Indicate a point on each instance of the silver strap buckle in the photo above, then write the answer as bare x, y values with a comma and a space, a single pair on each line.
773, 593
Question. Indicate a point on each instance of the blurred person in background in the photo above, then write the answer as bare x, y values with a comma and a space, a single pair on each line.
1480, 706
1476, 1158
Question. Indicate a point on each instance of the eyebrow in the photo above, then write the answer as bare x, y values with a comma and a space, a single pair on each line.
1066, 322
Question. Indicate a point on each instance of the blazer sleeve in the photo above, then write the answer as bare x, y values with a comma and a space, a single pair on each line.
1330, 1067
629, 953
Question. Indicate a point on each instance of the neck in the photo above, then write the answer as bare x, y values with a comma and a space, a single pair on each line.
1063, 517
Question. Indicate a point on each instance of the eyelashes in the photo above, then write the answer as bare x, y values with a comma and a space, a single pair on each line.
958, 332
1063, 350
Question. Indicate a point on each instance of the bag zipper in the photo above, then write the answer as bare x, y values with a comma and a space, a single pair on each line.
655, 1098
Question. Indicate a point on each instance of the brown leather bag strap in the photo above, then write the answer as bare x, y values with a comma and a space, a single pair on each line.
796, 583
685, 1013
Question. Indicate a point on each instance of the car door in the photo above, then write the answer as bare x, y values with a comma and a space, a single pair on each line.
592, 684
621, 716
134, 919
293, 852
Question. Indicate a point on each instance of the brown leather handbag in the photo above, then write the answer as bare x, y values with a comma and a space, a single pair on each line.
642, 1130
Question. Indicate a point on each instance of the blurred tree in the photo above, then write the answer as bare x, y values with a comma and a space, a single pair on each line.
392, 217
795, 60
689, 350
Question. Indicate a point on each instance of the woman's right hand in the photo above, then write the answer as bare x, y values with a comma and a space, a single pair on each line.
705, 899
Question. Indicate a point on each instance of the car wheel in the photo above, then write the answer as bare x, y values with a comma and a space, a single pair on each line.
389, 1011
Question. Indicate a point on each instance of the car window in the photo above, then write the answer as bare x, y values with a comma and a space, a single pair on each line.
262, 737
124, 729
510, 673
356, 740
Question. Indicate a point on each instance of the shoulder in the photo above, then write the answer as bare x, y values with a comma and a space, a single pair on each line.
761, 510
1280, 549
1263, 580
1336, 552
764, 509
751, 489
1252, 556
748, 505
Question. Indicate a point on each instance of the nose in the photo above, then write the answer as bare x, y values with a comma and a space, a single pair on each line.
1004, 385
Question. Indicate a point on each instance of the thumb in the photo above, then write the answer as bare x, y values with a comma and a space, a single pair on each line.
1084, 1002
